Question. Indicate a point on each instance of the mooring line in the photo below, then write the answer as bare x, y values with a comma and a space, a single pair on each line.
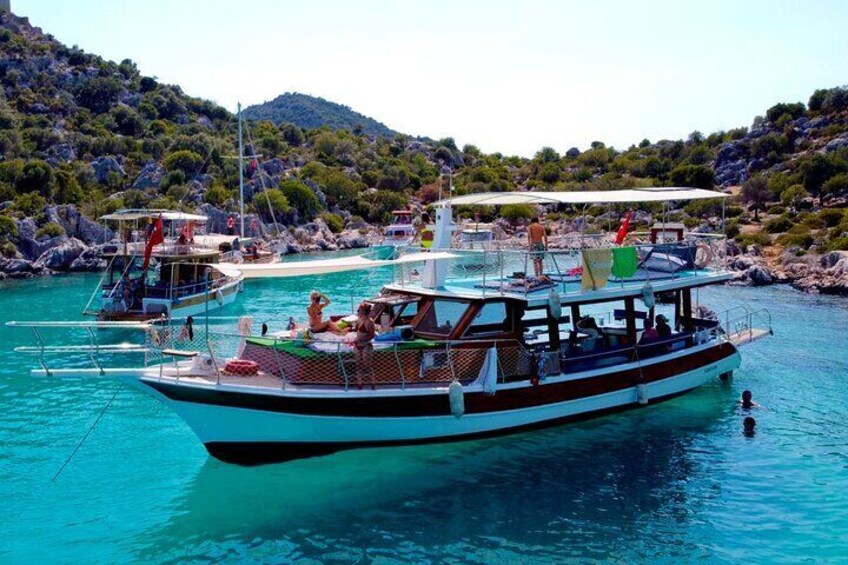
85, 437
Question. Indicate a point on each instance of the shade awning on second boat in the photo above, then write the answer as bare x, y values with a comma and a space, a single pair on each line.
630, 195
325, 266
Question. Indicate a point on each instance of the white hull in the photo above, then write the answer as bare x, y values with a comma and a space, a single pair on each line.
231, 425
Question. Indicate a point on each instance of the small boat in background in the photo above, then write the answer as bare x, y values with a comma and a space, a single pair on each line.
151, 276
401, 231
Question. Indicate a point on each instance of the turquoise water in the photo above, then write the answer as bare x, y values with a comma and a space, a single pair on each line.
670, 483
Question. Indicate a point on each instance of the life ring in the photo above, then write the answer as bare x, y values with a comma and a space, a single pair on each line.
242, 367
219, 297
703, 255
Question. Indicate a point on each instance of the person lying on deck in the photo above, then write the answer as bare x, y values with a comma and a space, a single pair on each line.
315, 310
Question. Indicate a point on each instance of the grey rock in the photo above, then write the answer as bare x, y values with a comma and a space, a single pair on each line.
63, 152
105, 165
61, 256
88, 260
759, 276
829, 260
835, 144
78, 225
150, 176
204, 121
17, 266
572, 153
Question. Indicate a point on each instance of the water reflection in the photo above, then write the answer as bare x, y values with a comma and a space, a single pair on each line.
583, 488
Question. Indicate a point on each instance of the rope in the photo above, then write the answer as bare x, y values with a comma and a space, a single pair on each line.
262, 181
85, 437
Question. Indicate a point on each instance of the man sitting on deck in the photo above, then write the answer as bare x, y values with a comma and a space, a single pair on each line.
315, 310
538, 240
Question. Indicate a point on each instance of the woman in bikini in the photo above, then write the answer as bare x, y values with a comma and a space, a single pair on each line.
363, 349
315, 310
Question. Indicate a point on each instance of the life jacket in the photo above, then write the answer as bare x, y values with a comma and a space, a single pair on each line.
427, 236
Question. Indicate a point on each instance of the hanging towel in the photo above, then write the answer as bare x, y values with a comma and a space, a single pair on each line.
624, 262
597, 264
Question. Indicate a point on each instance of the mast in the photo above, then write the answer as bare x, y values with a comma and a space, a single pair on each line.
241, 172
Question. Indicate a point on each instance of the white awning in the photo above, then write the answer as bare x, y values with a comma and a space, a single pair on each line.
130, 215
324, 266
631, 195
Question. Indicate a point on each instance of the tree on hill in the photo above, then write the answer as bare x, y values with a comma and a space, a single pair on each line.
756, 194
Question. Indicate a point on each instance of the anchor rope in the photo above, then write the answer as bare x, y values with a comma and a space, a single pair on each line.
85, 437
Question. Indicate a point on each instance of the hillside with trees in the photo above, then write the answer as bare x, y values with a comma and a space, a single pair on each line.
81, 136
310, 112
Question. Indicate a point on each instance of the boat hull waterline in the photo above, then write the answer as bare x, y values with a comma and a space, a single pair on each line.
246, 427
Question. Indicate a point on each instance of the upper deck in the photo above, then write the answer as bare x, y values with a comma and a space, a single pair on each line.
581, 270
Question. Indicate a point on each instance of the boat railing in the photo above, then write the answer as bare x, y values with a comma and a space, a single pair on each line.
506, 270
85, 341
319, 363
749, 326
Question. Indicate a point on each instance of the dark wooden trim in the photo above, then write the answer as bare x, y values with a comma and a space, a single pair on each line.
437, 404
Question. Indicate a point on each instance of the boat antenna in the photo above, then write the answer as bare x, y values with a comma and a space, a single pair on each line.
241, 171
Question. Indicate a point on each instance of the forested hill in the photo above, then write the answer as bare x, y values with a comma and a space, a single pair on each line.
312, 112
80, 134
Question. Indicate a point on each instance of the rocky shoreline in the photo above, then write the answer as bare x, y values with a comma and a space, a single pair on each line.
78, 248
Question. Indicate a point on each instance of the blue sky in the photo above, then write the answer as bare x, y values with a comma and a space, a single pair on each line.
506, 76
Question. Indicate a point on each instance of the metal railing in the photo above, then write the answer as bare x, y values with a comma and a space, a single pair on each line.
93, 349
748, 326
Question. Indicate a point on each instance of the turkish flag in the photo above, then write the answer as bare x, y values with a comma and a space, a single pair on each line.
622, 231
157, 237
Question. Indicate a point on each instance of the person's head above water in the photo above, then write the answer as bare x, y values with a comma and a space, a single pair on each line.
747, 398
749, 425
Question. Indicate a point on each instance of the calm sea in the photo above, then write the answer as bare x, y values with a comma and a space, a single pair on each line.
677, 482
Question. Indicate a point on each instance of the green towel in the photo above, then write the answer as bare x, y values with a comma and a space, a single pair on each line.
624, 262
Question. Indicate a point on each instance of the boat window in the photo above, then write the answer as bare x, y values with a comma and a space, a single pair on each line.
491, 318
406, 312
441, 317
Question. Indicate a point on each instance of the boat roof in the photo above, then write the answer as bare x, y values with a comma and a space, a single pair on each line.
141, 214
630, 195
569, 293
324, 266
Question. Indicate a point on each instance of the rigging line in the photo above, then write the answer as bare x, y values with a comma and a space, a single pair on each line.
88, 433
205, 161
262, 181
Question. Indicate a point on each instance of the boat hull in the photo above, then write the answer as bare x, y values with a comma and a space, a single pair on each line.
246, 427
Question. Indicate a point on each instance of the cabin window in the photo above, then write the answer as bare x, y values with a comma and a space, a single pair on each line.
441, 317
491, 318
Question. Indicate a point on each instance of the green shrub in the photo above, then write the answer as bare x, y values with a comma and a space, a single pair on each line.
51, 229
832, 216
515, 212
28, 204
778, 225
758, 238
217, 196
8, 228
776, 209
798, 235
333, 221
184, 160
731, 229
839, 244
8, 249
300, 197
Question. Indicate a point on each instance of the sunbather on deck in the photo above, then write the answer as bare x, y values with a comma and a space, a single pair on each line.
315, 310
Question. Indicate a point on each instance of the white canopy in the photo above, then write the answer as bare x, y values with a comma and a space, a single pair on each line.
323, 266
631, 195
130, 215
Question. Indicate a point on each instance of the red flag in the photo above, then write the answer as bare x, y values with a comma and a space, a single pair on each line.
157, 237
622, 231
